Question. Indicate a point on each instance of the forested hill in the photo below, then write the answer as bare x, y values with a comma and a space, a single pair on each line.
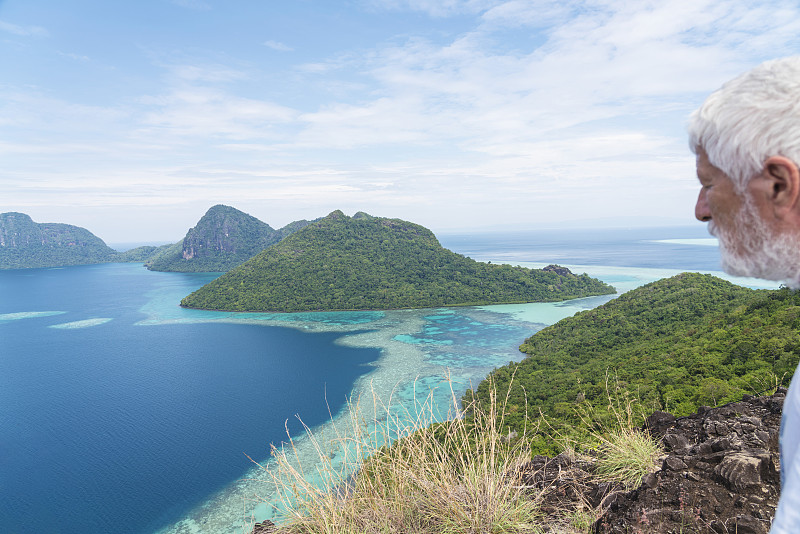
364, 262
27, 244
222, 239
677, 344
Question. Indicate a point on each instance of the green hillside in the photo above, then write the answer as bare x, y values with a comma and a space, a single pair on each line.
677, 344
364, 262
27, 244
140, 254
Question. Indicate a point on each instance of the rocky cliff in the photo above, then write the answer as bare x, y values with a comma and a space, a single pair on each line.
222, 239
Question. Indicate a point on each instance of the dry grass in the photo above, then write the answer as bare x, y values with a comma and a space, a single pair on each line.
392, 470
407, 474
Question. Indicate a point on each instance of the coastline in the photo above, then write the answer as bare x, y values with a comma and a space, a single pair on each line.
415, 351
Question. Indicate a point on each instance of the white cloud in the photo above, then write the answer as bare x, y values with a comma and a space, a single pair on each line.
76, 57
435, 8
26, 31
197, 112
280, 47
538, 13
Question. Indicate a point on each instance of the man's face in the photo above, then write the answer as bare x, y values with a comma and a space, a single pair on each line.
718, 202
747, 244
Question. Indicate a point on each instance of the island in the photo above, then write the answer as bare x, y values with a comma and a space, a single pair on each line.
27, 244
222, 239
373, 263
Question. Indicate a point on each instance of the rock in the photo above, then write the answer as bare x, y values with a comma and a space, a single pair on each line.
675, 442
265, 527
674, 463
720, 476
659, 422
742, 469
558, 269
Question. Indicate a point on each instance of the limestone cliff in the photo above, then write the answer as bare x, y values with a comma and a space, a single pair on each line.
222, 239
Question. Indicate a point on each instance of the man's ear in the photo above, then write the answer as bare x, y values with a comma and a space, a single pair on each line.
783, 182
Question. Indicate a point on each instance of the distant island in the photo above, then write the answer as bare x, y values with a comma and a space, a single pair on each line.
365, 262
222, 239
27, 244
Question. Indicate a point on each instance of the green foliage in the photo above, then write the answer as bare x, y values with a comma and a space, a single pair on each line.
364, 262
140, 254
26, 244
677, 343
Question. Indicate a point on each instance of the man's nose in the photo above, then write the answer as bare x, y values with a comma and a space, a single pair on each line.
701, 210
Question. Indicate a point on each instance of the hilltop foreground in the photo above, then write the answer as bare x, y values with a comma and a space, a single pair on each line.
364, 262
717, 472
562, 442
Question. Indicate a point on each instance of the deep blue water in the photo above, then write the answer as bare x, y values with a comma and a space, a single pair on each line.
120, 427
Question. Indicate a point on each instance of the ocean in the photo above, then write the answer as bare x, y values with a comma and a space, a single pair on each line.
122, 412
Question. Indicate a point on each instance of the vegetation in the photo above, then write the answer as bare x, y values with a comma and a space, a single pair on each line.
624, 453
222, 239
677, 344
399, 471
433, 478
139, 254
364, 262
26, 244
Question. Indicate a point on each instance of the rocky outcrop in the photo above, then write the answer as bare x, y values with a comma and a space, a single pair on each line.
721, 473
264, 527
559, 270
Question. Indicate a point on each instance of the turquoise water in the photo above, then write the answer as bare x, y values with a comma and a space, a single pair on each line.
121, 411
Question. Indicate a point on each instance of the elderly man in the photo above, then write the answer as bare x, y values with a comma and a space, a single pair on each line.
746, 137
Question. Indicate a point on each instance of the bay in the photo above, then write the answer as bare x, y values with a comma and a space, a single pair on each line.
120, 411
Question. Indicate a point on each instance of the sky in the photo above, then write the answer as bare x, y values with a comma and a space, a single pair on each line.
131, 119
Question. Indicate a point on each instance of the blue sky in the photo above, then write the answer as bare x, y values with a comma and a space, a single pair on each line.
133, 118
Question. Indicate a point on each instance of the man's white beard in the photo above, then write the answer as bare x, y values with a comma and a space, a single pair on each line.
750, 249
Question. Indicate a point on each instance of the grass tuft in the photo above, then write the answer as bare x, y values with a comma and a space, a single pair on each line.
625, 452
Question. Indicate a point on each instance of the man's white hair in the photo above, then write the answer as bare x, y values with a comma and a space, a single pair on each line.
749, 119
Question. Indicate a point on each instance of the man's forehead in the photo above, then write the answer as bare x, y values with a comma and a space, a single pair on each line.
704, 166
